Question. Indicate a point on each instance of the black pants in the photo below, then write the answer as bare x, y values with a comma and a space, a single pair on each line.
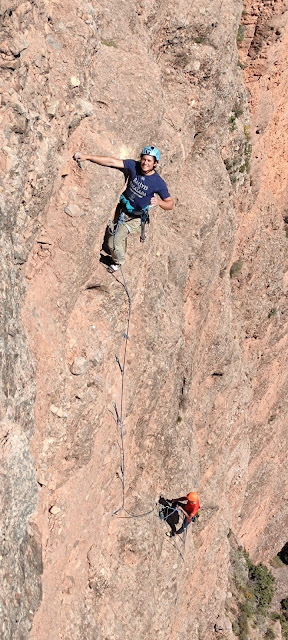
184, 526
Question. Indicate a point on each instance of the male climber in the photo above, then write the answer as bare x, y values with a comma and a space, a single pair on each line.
144, 188
190, 510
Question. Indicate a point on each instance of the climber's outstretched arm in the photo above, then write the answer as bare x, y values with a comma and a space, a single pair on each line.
106, 161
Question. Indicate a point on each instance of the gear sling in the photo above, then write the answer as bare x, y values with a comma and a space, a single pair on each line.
144, 215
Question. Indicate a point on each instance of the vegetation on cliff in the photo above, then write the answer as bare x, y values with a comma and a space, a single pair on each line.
252, 590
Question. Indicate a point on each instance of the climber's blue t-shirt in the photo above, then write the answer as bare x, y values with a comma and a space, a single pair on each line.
141, 188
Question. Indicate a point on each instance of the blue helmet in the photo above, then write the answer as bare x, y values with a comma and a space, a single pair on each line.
151, 151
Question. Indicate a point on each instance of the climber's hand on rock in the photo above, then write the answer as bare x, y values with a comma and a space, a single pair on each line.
155, 201
79, 157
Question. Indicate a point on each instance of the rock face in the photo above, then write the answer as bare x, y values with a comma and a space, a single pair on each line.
205, 387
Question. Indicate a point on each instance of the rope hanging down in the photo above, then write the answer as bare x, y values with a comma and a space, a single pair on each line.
119, 414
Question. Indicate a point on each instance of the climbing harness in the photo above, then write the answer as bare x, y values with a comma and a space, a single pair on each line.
143, 214
170, 510
127, 204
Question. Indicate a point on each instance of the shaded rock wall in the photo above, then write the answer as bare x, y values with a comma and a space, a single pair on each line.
21, 563
205, 386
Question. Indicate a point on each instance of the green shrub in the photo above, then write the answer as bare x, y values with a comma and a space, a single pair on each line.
241, 33
232, 121
236, 268
284, 607
243, 628
237, 110
254, 592
283, 622
263, 585
247, 609
247, 131
235, 627
284, 604
109, 43
246, 612
247, 153
228, 164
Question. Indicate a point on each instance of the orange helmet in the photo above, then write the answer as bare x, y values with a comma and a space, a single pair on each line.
192, 496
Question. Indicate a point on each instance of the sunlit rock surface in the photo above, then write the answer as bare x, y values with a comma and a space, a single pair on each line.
205, 393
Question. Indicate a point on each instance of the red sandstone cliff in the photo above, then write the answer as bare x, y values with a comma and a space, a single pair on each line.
206, 374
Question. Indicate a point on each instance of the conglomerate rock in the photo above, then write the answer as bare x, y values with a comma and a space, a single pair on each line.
205, 377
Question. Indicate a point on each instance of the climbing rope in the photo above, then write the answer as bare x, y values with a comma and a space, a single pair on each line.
119, 413
174, 544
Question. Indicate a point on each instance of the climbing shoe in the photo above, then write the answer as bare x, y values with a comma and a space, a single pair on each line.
114, 267
169, 534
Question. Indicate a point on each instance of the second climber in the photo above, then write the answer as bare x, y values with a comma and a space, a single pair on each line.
189, 505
